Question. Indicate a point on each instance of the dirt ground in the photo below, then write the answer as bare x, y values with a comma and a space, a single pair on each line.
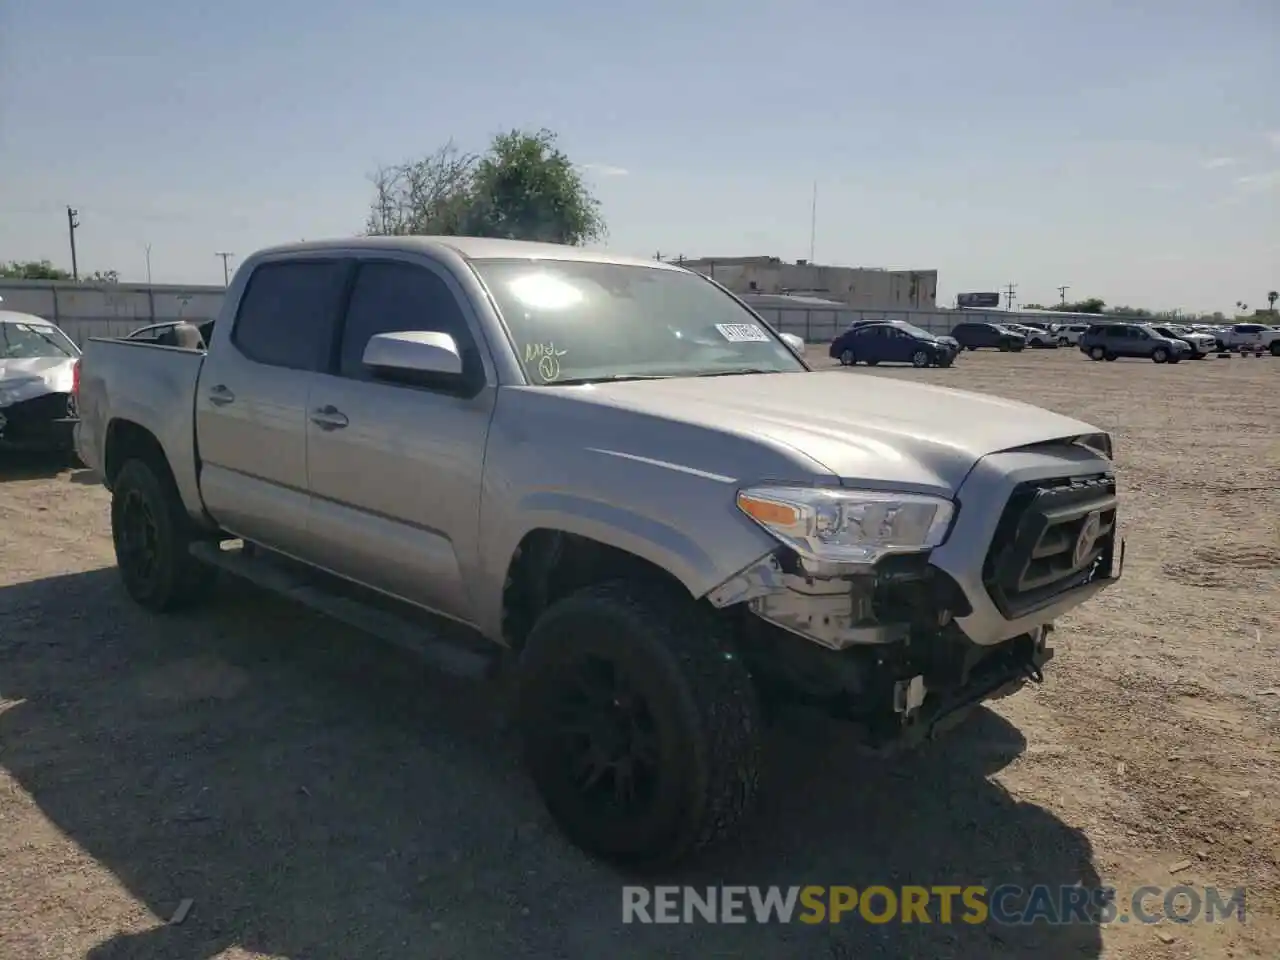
316, 795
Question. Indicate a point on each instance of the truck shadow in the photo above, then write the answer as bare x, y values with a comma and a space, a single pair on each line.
317, 795
23, 465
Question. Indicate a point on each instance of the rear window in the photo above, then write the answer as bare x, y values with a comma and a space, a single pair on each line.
288, 313
30, 341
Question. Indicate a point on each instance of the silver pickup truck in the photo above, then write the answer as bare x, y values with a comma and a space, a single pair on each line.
617, 479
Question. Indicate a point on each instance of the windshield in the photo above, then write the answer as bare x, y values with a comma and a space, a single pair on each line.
915, 331
25, 341
575, 321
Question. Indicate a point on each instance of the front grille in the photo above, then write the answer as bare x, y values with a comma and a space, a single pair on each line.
1041, 549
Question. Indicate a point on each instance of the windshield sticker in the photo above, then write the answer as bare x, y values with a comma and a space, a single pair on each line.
742, 333
547, 358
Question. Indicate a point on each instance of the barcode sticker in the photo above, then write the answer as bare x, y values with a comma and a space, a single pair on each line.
742, 333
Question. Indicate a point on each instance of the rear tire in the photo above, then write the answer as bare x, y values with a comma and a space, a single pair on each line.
1275, 348
641, 725
1064, 342
152, 534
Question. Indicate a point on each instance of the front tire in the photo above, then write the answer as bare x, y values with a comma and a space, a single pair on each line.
1275, 348
1097, 353
641, 725
847, 359
152, 535
1160, 355
1064, 342
920, 359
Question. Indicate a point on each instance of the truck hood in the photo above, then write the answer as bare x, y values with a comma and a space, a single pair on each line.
31, 377
861, 428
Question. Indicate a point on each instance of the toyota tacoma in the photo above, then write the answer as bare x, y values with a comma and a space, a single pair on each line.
613, 475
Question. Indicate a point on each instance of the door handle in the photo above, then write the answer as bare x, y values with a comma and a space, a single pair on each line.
329, 417
220, 396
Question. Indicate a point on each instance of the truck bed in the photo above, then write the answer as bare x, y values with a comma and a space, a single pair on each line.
153, 386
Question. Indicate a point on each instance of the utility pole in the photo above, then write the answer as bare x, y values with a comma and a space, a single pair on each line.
148, 264
1062, 292
226, 273
1008, 293
72, 225
813, 221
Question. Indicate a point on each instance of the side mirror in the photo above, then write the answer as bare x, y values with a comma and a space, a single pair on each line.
794, 342
413, 356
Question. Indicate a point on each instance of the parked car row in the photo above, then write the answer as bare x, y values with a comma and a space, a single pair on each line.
1170, 343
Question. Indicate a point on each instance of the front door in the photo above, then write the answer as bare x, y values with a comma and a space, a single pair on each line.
251, 401
898, 347
395, 470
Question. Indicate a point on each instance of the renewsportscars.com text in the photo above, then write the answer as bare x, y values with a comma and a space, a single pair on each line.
1006, 904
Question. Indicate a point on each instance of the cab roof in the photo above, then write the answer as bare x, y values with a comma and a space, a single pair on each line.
473, 248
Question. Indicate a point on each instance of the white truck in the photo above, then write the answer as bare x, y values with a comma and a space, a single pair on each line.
1250, 338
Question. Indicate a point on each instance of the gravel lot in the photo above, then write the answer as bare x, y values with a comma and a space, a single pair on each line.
316, 795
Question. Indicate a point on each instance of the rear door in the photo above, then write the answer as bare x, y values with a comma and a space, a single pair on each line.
394, 469
871, 345
251, 401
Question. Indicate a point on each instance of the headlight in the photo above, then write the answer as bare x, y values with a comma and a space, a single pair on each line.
848, 526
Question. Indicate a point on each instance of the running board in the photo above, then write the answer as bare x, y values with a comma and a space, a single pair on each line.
417, 638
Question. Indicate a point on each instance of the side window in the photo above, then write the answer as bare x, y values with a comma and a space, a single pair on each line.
390, 297
288, 313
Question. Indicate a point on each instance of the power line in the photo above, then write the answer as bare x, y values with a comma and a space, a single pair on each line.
1009, 291
226, 273
72, 225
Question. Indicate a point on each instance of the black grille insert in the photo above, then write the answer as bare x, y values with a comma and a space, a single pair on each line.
1054, 536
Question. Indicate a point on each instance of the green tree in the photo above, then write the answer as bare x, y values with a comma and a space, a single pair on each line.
523, 188
32, 270
526, 188
1127, 311
1092, 305
1272, 297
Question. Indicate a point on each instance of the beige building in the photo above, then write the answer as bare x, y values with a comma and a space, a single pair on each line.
859, 287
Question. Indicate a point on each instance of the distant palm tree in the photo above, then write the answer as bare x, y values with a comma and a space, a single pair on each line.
1272, 297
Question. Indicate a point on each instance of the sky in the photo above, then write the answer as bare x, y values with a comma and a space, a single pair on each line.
1129, 149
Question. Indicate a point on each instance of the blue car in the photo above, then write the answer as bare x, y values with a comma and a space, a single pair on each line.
873, 343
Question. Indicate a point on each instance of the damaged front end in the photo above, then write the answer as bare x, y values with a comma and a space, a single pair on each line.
879, 647
46, 422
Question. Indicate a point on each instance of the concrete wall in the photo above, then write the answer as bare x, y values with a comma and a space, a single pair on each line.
114, 310
861, 288
86, 310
